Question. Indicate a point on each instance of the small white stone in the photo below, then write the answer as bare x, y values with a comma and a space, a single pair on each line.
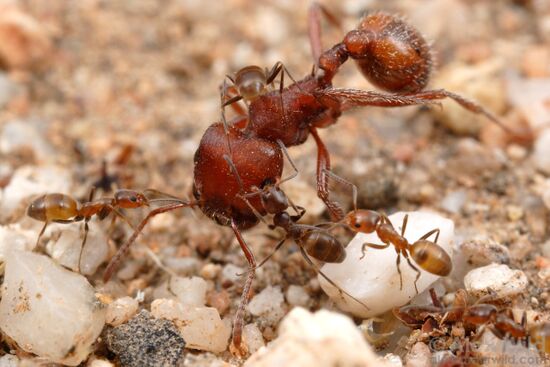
66, 249
28, 181
210, 271
190, 291
48, 310
201, 327
495, 279
231, 273
454, 201
374, 280
13, 237
100, 363
541, 152
297, 296
252, 338
320, 339
9, 360
268, 304
121, 310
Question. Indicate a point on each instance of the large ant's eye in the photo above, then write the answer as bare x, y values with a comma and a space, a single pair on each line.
357, 225
133, 199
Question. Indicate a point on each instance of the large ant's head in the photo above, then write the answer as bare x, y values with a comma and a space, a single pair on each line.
251, 82
273, 199
129, 199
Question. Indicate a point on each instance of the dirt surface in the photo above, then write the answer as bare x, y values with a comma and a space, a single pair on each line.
137, 83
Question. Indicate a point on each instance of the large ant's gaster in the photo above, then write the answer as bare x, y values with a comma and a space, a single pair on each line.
62, 208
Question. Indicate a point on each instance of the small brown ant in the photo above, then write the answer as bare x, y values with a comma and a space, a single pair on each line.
62, 208
427, 254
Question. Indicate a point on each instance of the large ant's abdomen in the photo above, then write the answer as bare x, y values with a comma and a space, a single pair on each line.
216, 186
399, 58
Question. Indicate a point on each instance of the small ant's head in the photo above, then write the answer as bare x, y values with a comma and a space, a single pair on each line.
251, 82
128, 199
282, 219
364, 221
274, 200
37, 209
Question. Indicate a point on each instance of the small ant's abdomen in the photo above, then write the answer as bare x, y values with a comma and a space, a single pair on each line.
432, 258
324, 247
215, 184
397, 59
53, 207
480, 314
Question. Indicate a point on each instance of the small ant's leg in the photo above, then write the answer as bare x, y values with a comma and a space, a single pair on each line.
350, 98
265, 259
318, 270
418, 273
238, 320
343, 181
404, 225
427, 235
41, 233
435, 299
323, 165
86, 230
397, 263
285, 152
111, 267
372, 245
315, 12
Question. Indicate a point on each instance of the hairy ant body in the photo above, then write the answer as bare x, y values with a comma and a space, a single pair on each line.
390, 53
480, 314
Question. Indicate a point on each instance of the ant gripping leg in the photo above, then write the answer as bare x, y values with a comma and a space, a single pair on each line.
323, 165
315, 12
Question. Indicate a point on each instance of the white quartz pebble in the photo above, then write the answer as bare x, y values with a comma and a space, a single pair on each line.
190, 291
201, 327
495, 279
48, 310
374, 280
121, 310
66, 249
541, 152
297, 296
320, 339
268, 304
252, 338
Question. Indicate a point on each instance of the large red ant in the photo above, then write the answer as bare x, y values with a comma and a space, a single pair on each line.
388, 51
479, 314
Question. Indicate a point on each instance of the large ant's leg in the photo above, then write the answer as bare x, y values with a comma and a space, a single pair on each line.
320, 272
397, 263
372, 245
323, 165
238, 320
111, 267
315, 12
350, 98
418, 273
86, 229
343, 181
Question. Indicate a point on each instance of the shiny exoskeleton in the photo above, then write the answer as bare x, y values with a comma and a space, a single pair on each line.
427, 254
